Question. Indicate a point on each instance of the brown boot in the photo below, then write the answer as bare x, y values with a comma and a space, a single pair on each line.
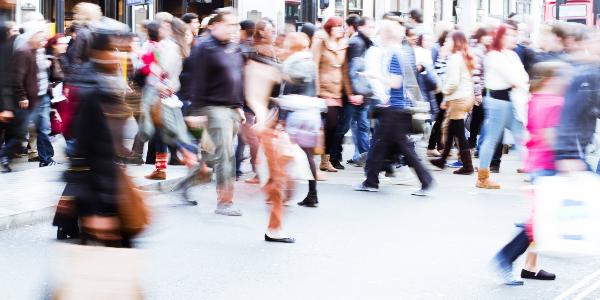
160, 170
326, 164
467, 168
483, 180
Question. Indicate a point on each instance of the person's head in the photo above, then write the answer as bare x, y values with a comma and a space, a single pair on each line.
442, 37
247, 28
505, 38
366, 26
549, 76
411, 36
352, 24
264, 32
224, 25
334, 28
391, 32
309, 29
56, 45
296, 42
483, 36
415, 16
110, 43
182, 35
459, 44
205, 25
153, 30
164, 16
3, 32
12, 28
191, 19
85, 13
424, 41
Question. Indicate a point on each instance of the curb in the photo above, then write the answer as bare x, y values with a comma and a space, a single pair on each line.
40, 215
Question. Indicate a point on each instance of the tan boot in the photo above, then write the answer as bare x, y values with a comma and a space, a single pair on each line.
326, 164
483, 180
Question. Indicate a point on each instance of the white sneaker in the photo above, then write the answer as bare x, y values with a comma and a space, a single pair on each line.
227, 210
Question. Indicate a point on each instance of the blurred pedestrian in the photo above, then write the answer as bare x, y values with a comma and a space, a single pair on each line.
549, 80
299, 74
192, 20
504, 76
329, 54
458, 101
481, 41
355, 114
391, 136
218, 95
439, 52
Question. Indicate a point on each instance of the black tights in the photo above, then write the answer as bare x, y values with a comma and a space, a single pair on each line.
456, 129
312, 184
332, 118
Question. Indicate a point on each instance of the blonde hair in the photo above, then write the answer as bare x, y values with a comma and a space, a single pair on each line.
179, 30
543, 71
85, 12
296, 41
391, 30
164, 16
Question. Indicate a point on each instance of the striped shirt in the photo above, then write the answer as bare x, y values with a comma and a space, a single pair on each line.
397, 96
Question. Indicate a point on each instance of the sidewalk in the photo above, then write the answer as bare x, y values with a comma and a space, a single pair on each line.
30, 196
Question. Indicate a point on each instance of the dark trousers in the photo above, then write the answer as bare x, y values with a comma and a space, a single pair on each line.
476, 122
333, 117
391, 137
456, 129
435, 138
497, 158
514, 248
353, 117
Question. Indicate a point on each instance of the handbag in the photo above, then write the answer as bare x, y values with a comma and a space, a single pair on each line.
133, 211
360, 84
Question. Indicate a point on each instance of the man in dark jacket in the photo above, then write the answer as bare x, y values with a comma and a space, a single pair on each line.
355, 109
578, 119
31, 92
218, 94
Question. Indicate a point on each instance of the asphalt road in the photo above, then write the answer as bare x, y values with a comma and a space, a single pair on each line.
356, 245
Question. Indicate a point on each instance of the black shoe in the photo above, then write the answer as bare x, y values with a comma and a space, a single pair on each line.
311, 200
440, 163
175, 162
5, 166
47, 164
33, 159
540, 275
336, 164
135, 161
63, 234
287, 240
350, 162
494, 169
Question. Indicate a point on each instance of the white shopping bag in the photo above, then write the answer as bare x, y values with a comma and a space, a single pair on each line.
567, 214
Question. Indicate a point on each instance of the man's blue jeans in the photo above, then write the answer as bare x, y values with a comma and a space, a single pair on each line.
355, 119
499, 114
40, 116
598, 168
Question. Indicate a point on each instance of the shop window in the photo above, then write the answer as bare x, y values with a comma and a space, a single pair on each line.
7, 10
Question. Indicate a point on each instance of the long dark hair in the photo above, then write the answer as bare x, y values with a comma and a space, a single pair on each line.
442, 38
3, 32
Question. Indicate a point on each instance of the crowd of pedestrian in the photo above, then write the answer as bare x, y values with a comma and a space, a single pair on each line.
201, 91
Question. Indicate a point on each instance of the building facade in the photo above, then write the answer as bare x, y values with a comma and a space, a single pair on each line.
465, 13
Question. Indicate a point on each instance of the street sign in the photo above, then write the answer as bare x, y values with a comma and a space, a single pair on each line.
136, 2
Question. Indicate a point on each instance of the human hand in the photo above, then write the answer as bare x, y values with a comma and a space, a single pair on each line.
6, 116
242, 115
24, 104
356, 99
444, 105
570, 165
102, 227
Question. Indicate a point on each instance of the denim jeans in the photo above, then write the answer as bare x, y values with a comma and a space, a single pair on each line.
598, 168
40, 116
355, 118
499, 115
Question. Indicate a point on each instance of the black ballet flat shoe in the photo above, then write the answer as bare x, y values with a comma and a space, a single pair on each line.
540, 275
287, 240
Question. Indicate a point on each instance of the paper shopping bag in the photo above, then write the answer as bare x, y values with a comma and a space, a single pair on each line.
567, 214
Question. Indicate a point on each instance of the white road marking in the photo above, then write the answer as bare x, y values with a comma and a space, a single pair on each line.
578, 286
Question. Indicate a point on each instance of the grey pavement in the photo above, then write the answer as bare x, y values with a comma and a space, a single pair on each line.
356, 245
